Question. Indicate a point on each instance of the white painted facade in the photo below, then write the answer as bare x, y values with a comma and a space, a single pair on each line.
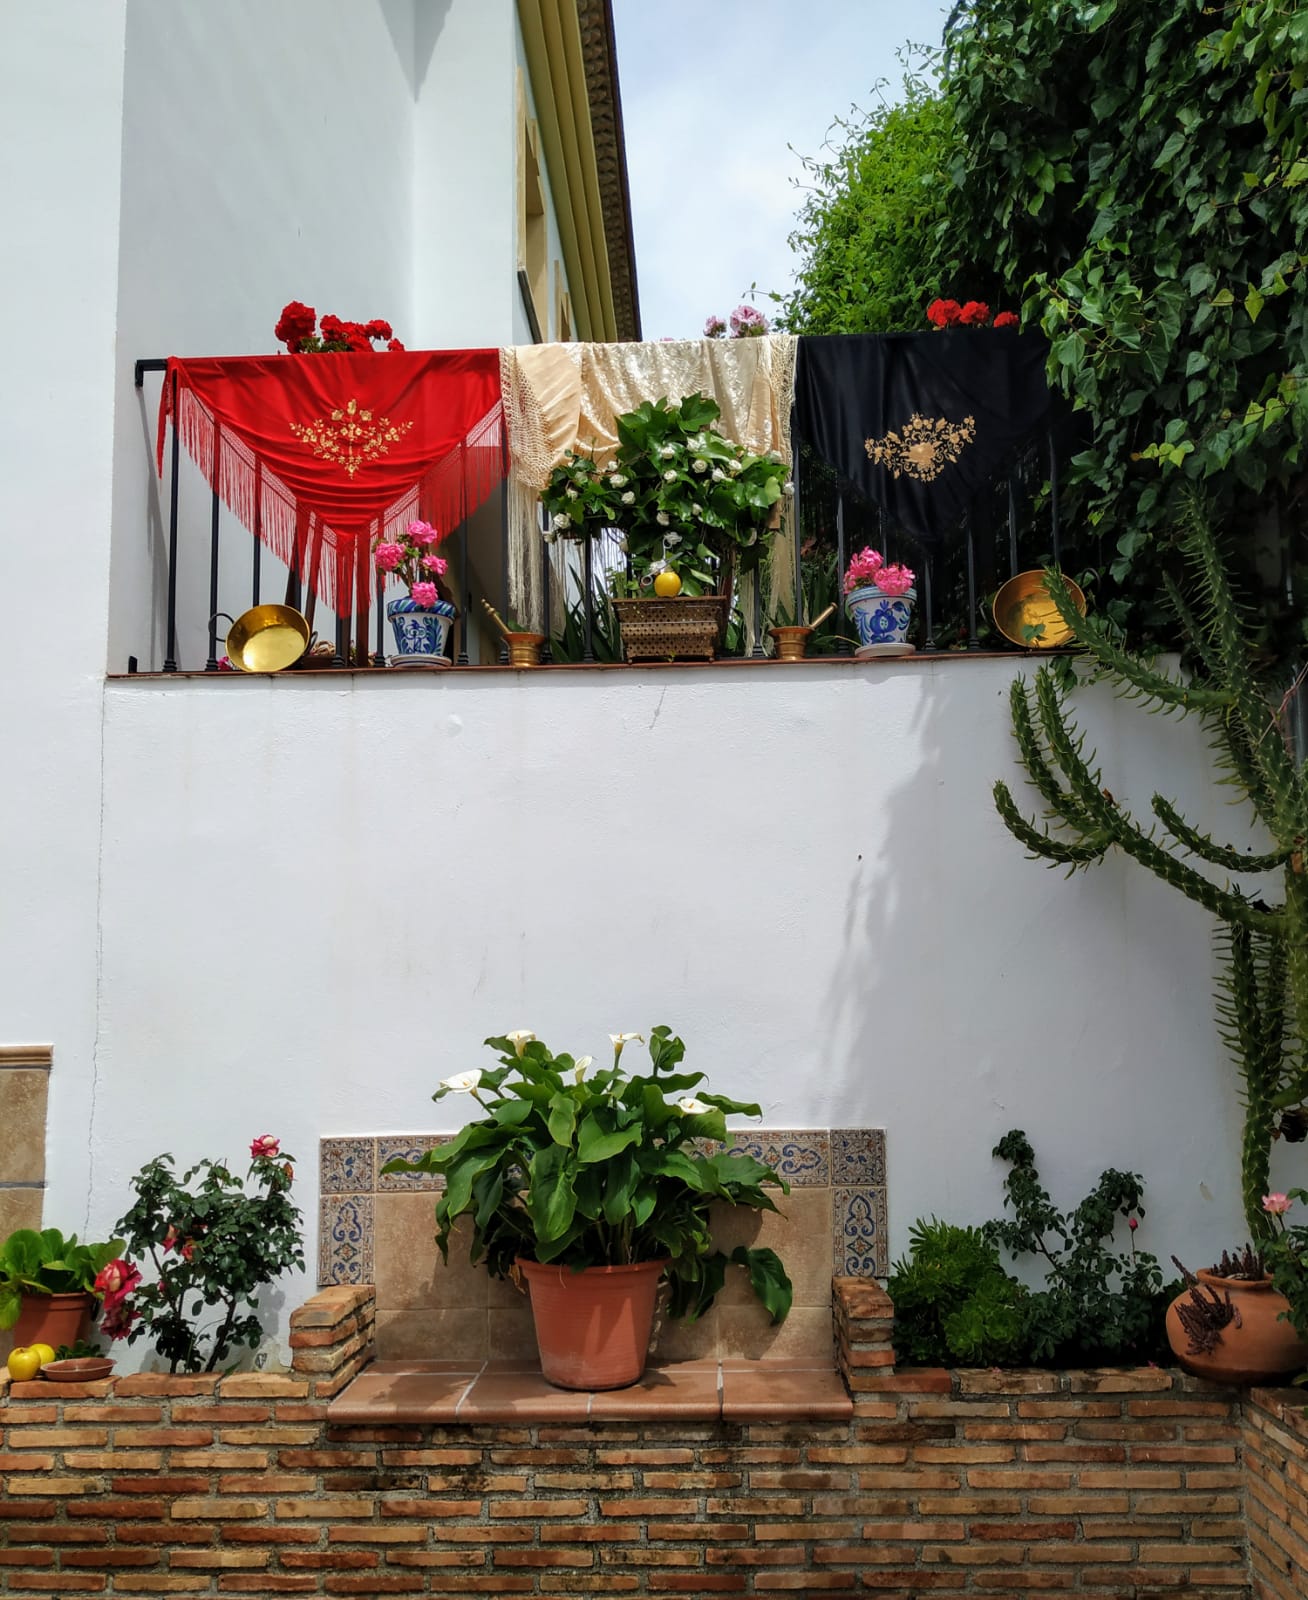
243, 905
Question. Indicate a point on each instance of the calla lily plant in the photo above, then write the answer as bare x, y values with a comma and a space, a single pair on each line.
602, 1168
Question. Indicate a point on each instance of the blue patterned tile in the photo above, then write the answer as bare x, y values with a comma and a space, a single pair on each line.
858, 1155
346, 1166
859, 1233
346, 1224
409, 1146
802, 1157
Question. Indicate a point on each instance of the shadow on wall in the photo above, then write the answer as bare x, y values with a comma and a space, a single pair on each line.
976, 991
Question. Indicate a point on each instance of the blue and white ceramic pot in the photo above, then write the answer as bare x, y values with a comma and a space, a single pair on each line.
880, 618
420, 630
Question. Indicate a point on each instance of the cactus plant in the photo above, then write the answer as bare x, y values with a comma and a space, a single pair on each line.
1263, 946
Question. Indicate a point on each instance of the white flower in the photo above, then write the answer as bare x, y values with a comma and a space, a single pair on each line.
571, 494
579, 1067
668, 451
692, 1107
520, 1037
733, 466
629, 499
462, 1082
788, 488
671, 538
697, 511
669, 476
617, 1040
662, 518
700, 466
774, 455
562, 520
718, 475
617, 479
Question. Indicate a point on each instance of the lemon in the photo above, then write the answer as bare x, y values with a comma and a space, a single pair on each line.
667, 584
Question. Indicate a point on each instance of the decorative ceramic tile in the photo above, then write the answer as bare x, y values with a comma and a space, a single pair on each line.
858, 1155
860, 1247
346, 1224
408, 1146
802, 1157
346, 1166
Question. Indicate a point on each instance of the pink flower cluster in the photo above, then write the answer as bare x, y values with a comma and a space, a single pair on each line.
411, 558
869, 567
746, 322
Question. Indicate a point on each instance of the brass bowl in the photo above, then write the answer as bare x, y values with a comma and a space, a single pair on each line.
524, 648
267, 639
791, 642
1024, 603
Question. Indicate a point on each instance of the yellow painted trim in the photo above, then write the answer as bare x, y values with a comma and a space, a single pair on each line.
551, 37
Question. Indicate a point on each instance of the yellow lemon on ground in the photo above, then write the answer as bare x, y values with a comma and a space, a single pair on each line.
667, 584
24, 1363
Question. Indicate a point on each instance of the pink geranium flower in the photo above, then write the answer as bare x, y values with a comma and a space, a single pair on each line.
422, 533
894, 580
437, 564
266, 1144
423, 593
389, 556
863, 569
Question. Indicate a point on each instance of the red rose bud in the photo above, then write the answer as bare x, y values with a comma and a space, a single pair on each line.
1132, 1224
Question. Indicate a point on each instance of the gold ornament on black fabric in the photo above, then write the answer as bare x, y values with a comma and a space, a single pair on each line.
923, 447
350, 437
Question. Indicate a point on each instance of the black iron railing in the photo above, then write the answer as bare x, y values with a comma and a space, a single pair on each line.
1011, 527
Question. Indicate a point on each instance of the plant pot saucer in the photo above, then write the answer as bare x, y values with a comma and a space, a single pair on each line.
423, 659
77, 1369
874, 652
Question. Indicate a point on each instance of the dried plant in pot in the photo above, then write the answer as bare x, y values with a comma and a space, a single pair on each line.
1230, 1323
595, 1186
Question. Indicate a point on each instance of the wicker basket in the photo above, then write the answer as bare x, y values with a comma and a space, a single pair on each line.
680, 629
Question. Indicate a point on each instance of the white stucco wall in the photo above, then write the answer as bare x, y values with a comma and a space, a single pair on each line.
60, 112
318, 897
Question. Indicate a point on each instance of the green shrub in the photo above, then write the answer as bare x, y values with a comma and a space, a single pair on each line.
954, 1303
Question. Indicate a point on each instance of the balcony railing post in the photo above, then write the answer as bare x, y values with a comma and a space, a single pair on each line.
929, 643
506, 604
467, 593
170, 642
546, 653
843, 646
1012, 524
1054, 530
588, 569
797, 519
973, 642
211, 665
258, 530
379, 655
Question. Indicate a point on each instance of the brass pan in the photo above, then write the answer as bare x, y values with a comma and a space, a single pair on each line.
267, 638
1023, 603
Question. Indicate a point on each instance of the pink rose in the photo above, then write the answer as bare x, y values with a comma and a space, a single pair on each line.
264, 1145
389, 556
117, 1279
116, 1323
423, 593
1277, 1205
422, 533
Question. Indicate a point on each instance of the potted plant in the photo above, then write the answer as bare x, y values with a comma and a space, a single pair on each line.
595, 1186
694, 507
879, 601
1231, 1323
48, 1285
421, 621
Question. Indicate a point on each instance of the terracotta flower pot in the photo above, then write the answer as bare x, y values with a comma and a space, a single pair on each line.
1261, 1347
593, 1326
53, 1319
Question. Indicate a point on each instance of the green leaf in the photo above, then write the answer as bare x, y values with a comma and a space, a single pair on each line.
553, 1200
1253, 303
596, 1143
562, 1118
768, 1279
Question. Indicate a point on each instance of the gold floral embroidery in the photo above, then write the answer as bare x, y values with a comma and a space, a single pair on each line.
923, 447
350, 437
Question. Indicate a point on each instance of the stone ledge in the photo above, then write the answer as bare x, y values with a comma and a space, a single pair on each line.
507, 1391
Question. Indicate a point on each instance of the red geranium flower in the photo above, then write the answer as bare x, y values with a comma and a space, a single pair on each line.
377, 329
1006, 319
395, 345
975, 314
295, 323
944, 313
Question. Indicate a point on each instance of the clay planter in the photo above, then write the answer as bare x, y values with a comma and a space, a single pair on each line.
593, 1326
53, 1319
1261, 1349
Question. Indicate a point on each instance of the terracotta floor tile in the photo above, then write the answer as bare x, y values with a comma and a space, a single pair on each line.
471, 1366
688, 1392
521, 1396
400, 1396
759, 1395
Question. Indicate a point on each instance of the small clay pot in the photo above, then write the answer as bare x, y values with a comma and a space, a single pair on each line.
1261, 1349
53, 1319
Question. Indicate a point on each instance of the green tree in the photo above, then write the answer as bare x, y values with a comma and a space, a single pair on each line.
873, 197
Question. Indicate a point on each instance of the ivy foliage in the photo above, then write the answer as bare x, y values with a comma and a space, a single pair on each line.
871, 198
1137, 169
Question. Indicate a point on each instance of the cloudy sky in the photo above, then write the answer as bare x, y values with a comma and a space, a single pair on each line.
713, 94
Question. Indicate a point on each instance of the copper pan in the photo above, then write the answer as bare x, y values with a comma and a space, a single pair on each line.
267, 638
1023, 604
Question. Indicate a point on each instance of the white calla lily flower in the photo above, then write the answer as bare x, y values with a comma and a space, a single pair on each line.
692, 1107
463, 1082
617, 1040
579, 1067
520, 1037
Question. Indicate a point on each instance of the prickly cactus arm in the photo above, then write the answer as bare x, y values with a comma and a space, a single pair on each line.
1094, 637
1039, 843
1061, 803
1296, 968
1250, 983
1220, 855
1106, 815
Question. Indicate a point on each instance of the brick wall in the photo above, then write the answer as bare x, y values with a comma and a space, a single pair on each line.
1115, 1483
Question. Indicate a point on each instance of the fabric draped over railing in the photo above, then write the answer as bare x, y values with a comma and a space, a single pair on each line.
919, 423
318, 455
561, 396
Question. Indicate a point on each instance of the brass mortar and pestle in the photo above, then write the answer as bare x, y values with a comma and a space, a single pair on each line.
524, 648
792, 641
